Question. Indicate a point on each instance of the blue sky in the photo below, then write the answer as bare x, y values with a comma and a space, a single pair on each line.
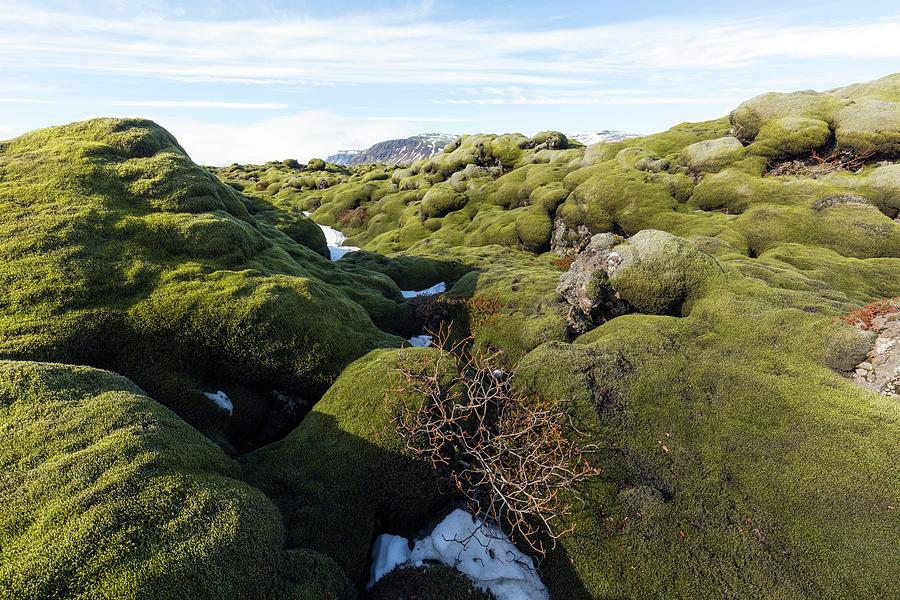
257, 81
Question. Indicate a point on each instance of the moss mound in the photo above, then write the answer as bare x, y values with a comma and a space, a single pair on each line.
119, 252
436, 582
660, 273
108, 494
869, 126
310, 574
345, 470
712, 155
735, 458
790, 136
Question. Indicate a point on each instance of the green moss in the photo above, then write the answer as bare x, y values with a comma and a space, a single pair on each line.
439, 201
660, 273
345, 469
436, 582
533, 227
549, 196
679, 185
507, 149
887, 88
790, 136
712, 155
728, 423
310, 574
885, 189
108, 494
551, 140
121, 253
869, 126
750, 116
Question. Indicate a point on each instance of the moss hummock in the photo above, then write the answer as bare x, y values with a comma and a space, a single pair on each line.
108, 494
119, 252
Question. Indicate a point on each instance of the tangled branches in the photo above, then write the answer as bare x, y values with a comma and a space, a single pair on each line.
510, 459
815, 166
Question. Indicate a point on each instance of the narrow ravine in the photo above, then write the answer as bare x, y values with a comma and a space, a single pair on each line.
335, 239
476, 549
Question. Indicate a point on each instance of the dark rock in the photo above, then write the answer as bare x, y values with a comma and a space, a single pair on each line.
585, 286
565, 241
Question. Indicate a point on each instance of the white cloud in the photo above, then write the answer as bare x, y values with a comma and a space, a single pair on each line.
588, 97
302, 135
201, 104
413, 48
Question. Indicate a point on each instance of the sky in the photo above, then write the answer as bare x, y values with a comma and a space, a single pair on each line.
257, 81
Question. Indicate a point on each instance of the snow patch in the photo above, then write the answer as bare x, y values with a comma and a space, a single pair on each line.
480, 551
388, 552
221, 400
438, 288
420, 341
334, 239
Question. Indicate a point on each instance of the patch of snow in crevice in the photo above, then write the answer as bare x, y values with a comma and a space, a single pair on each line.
221, 400
389, 552
334, 239
420, 341
478, 550
438, 288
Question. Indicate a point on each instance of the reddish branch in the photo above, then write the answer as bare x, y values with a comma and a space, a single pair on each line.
513, 461
816, 165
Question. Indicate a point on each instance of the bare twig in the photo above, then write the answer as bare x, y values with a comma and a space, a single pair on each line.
512, 460
815, 165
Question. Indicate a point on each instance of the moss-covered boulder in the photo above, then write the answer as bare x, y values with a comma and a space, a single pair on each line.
438, 201
885, 189
712, 155
533, 228
313, 575
869, 126
433, 582
108, 494
660, 273
550, 140
790, 136
750, 116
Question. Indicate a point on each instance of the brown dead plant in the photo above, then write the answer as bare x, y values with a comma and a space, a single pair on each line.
512, 460
815, 166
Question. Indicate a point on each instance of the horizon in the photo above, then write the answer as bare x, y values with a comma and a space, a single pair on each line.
300, 79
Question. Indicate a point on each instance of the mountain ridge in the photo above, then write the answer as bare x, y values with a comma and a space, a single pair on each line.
425, 145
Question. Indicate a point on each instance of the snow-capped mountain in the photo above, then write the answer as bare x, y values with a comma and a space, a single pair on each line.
343, 157
606, 135
395, 152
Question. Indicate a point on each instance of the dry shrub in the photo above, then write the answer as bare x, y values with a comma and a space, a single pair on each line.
564, 262
511, 460
815, 166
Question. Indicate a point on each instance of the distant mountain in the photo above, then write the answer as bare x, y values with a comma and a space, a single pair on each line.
394, 152
606, 135
343, 157
426, 145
